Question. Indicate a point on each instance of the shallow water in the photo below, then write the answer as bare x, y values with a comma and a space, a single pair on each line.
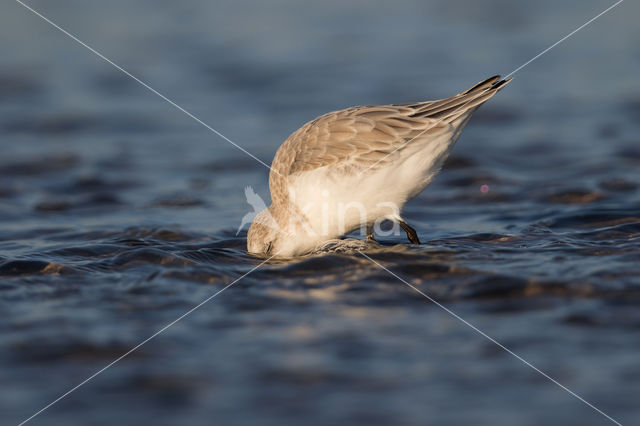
118, 214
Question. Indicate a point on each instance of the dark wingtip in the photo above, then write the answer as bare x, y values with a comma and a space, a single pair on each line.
500, 84
489, 82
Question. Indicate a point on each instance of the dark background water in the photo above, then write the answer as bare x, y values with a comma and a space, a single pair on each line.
118, 214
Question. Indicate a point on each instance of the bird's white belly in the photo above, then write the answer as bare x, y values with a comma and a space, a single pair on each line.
335, 204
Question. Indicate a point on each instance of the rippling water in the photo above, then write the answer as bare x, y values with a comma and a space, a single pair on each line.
118, 214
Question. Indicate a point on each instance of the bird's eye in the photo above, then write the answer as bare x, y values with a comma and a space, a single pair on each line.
268, 248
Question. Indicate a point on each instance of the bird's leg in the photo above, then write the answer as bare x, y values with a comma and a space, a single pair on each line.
370, 235
411, 233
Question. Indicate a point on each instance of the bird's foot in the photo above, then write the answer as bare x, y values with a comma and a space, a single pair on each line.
411, 233
370, 235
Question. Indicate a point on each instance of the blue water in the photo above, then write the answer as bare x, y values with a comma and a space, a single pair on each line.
118, 213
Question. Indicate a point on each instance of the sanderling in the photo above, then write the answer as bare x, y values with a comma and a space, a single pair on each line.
351, 168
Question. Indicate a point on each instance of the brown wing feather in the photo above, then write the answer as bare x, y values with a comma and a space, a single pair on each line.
365, 135
354, 135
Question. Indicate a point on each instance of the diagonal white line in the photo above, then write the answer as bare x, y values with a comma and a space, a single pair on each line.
500, 345
145, 85
506, 77
564, 38
256, 267
136, 347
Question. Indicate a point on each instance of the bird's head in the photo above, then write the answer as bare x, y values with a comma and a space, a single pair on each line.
266, 237
263, 235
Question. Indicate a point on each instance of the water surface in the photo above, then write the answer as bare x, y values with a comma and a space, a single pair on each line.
118, 213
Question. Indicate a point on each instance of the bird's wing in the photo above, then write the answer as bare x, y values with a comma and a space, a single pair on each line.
357, 137
361, 137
